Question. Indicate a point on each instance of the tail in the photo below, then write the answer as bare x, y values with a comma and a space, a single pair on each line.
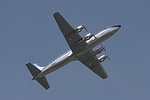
35, 72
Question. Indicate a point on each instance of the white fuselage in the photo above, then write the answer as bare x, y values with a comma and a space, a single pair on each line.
69, 56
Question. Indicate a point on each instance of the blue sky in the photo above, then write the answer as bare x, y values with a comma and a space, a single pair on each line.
28, 32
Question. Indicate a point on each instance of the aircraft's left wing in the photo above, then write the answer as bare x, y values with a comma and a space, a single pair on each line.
91, 61
72, 38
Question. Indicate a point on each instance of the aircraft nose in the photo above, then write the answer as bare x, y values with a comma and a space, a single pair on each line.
119, 26
115, 28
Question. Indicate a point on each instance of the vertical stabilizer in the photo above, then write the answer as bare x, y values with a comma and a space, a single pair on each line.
35, 72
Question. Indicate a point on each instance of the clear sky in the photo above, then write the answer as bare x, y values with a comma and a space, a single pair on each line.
28, 32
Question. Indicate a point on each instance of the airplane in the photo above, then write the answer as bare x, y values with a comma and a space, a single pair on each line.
81, 48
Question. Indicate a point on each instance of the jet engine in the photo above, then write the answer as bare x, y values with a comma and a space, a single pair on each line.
103, 58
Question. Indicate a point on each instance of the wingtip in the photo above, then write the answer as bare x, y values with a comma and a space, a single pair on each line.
28, 63
47, 87
105, 77
56, 13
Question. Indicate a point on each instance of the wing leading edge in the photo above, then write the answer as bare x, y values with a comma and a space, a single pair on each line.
91, 61
73, 39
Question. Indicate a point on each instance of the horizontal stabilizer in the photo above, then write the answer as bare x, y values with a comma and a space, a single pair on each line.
37, 66
43, 81
35, 72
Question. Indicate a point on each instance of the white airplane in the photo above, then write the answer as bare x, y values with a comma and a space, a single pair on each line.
81, 48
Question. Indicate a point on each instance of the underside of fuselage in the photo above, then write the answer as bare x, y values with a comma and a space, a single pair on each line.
69, 56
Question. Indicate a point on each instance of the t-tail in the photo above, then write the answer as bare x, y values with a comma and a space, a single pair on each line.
35, 71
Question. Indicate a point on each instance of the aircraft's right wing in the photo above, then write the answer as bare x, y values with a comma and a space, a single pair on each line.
73, 39
91, 61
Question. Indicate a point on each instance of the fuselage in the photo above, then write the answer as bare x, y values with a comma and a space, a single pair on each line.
70, 56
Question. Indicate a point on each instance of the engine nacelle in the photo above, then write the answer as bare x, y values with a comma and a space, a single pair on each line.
88, 36
102, 58
98, 51
80, 28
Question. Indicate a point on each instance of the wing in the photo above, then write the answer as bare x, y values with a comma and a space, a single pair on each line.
91, 61
73, 39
